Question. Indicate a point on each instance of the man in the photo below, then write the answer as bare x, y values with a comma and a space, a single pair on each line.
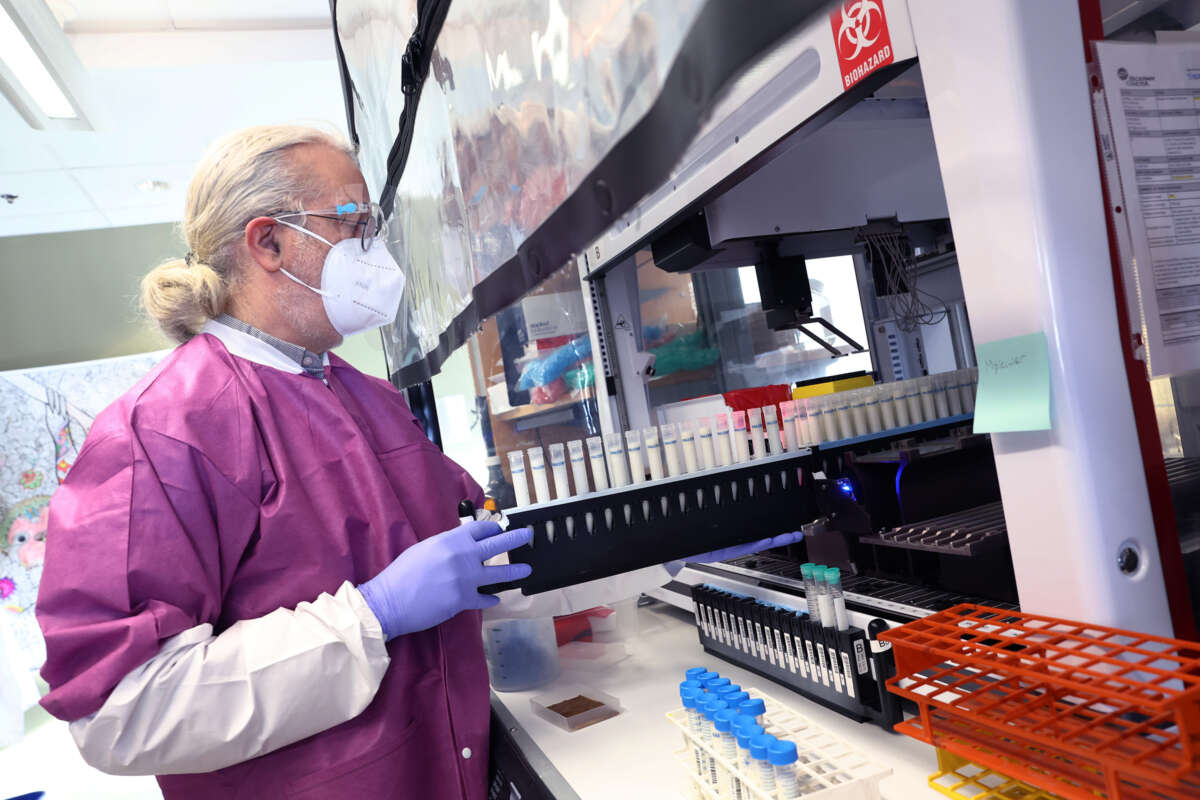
256, 583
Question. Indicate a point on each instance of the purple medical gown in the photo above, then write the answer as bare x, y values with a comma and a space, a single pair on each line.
219, 490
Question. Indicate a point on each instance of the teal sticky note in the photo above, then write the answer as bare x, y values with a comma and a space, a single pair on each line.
1014, 385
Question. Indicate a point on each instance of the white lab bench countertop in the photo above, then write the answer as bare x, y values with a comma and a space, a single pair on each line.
632, 756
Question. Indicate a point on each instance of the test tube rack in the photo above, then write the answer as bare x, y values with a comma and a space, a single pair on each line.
830, 769
841, 670
1082, 711
959, 779
605, 533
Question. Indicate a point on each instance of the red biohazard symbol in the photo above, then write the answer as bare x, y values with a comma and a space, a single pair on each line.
862, 21
860, 33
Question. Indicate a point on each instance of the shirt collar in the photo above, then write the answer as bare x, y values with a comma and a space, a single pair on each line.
246, 341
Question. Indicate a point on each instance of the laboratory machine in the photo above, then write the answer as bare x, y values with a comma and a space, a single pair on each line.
760, 287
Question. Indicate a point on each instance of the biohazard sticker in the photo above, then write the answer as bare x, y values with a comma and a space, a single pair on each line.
861, 38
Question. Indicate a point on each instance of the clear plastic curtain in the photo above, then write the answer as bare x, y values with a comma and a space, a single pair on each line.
523, 99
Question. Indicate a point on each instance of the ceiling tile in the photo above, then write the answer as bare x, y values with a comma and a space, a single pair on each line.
38, 193
51, 223
112, 188
146, 215
114, 14
188, 13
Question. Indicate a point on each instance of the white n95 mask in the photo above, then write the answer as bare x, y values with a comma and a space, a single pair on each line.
360, 290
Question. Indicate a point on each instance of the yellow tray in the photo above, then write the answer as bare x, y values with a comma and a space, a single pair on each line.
960, 779
830, 387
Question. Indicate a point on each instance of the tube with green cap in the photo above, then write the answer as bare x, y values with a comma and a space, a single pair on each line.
810, 591
824, 598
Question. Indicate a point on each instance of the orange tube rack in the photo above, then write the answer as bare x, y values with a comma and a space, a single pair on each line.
1080, 710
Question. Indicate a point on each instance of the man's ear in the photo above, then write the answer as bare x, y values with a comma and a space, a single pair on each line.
263, 242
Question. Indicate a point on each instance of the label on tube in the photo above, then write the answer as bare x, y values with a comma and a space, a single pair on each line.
541, 481
687, 443
740, 450
756, 433
774, 438
520, 479
558, 463
670, 445
653, 453
704, 441
596, 456
637, 467
578, 466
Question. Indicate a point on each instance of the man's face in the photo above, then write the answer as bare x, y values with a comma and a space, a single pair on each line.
341, 183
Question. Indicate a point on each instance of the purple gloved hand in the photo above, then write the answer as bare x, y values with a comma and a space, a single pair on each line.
439, 577
739, 550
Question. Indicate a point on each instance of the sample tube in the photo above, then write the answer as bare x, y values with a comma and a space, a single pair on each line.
807, 430
858, 412
829, 419
900, 404
724, 690
887, 407
713, 684
783, 757
874, 412
711, 707
727, 747
637, 467
596, 456
618, 469
691, 700
694, 672
967, 388
744, 732
941, 403
704, 443
578, 467
705, 677
816, 420
754, 418
741, 451
824, 598
721, 441
516, 465
913, 396
833, 577
810, 591
774, 439
787, 425
558, 463
670, 446
687, 443
541, 481
845, 417
735, 699
753, 709
928, 404
953, 393
653, 452
764, 772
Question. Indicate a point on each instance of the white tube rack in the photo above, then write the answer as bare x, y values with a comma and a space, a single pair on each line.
828, 768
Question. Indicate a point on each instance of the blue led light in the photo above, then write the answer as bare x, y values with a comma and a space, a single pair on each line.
846, 488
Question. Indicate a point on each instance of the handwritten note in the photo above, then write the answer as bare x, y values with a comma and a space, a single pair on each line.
1014, 385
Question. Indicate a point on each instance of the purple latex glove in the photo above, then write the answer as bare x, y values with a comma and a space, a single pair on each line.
439, 577
739, 550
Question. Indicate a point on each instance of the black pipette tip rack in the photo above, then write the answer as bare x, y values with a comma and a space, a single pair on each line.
843, 670
606, 533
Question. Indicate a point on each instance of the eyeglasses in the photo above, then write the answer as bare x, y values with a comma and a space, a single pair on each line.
375, 224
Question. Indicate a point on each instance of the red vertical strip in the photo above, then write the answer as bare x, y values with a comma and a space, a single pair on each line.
1161, 506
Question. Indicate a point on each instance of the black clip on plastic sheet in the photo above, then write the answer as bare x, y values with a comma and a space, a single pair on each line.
659, 521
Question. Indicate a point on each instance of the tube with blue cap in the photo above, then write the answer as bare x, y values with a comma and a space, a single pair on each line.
723, 722
764, 771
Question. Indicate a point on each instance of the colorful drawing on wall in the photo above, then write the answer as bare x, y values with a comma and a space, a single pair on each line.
45, 414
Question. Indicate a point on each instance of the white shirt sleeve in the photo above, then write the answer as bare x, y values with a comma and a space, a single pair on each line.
207, 702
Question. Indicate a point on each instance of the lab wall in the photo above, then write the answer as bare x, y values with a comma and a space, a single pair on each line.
72, 297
